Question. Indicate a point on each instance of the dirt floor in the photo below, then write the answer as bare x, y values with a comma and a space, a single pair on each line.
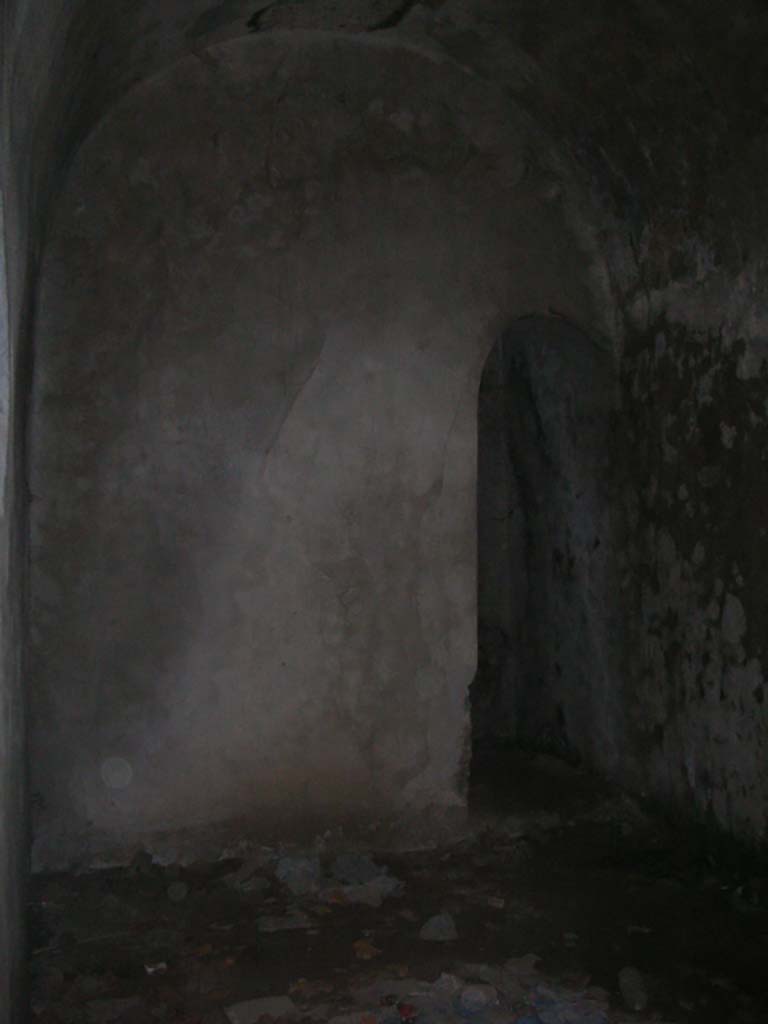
570, 906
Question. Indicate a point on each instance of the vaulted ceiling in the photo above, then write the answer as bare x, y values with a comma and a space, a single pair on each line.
660, 105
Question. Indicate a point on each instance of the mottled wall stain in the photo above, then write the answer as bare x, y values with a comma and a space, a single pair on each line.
696, 421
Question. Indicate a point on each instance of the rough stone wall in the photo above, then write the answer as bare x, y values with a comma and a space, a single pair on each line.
690, 443
668, 126
266, 302
696, 566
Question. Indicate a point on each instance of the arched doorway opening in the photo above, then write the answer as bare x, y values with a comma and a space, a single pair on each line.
546, 643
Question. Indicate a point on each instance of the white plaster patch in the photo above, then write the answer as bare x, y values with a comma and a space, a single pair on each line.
704, 389
727, 435
734, 620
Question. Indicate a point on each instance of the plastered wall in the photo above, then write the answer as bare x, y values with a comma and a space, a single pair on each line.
272, 283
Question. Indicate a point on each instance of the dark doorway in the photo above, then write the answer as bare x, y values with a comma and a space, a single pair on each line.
545, 641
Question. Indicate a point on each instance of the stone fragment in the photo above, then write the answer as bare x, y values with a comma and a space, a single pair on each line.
365, 949
320, 1012
355, 869
633, 989
518, 975
477, 998
292, 921
387, 990
440, 928
371, 893
251, 1011
475, 972
560, 1006
246, 879
446, 989
299, 874
734, 621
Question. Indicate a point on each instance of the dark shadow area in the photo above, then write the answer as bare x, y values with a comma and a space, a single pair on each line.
603, 881
544, 547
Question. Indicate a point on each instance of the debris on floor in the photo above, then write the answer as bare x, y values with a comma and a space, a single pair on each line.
633, 989
255, 1010
440, 928
580, 910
